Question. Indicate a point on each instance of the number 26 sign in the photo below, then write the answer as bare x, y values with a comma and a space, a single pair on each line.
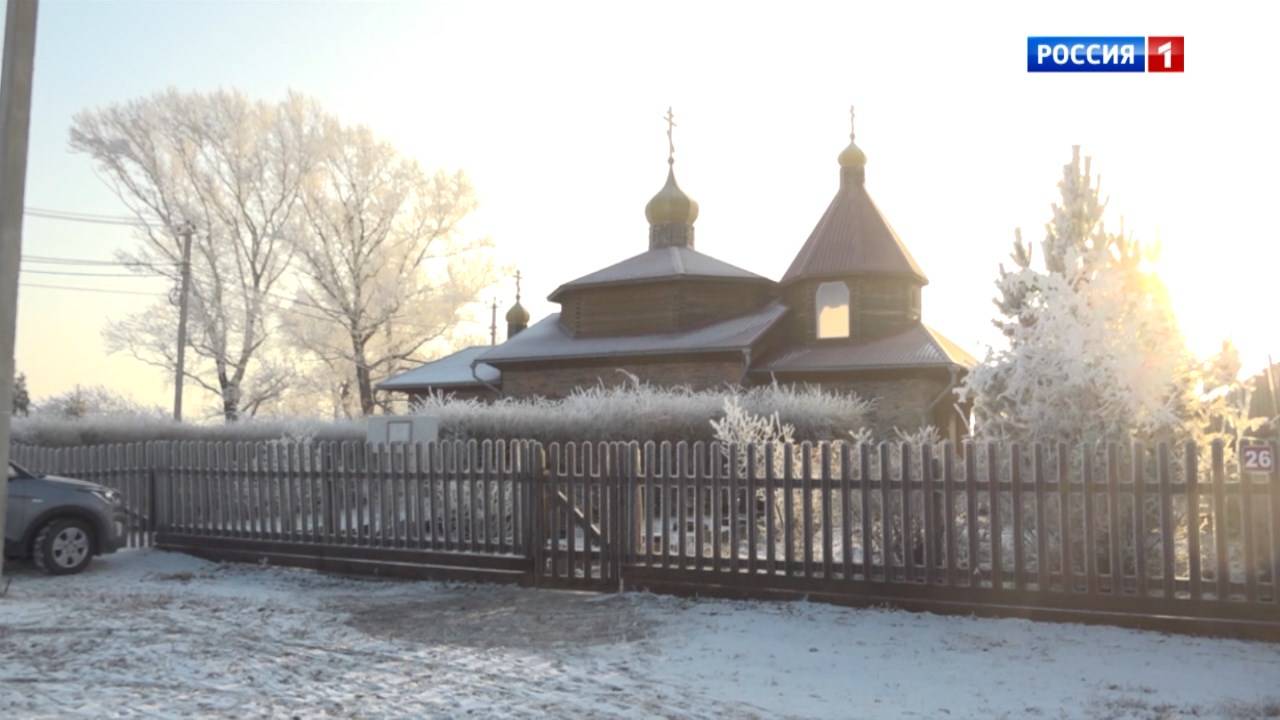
1257, 458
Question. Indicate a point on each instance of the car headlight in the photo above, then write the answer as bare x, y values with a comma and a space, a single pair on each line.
106, 495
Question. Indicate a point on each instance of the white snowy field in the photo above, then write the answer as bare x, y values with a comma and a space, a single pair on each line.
154, 634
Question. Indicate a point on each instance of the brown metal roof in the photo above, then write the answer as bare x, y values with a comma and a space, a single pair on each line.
917, 347
663, 263
852, 238
549, 340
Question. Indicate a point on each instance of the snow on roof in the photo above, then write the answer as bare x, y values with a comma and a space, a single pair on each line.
449, 371
661, 263
548, 339
852, 237
916, 347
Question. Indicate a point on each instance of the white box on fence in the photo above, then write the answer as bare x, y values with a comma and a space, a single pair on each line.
387, 429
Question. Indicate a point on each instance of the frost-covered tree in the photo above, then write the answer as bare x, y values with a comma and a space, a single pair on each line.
82, 402
384, 269
1215, 403
1094, 350
233, 168
21, 398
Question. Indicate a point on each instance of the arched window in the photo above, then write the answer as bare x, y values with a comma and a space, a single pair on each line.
831, 306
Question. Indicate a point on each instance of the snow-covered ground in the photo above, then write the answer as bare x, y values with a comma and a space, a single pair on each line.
154, 634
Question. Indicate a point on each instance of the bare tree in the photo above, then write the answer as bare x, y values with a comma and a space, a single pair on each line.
384, 269
234, 168
21, 397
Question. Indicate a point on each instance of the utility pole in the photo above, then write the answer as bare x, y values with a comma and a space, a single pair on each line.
180, 367
15, 122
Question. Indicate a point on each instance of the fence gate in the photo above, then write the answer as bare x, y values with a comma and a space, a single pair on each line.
577, 511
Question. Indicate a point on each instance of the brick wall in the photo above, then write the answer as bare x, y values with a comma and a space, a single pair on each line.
558, 379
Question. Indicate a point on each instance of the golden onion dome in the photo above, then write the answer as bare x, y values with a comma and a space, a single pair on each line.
517, 315
671, 206
852, 156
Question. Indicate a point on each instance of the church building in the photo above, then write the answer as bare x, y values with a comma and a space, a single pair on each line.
845, 315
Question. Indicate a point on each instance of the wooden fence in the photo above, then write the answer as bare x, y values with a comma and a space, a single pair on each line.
1148, 536
1114, 534
451, 509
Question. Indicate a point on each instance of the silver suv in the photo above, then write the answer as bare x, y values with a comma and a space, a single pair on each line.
60, 523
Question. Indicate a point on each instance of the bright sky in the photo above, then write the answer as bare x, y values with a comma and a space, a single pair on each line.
556, 110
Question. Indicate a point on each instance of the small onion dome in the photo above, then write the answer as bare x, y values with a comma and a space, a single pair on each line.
852, 156
517, 315
671, 206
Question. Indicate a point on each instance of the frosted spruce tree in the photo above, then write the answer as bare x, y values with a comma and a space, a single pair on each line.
1093, 349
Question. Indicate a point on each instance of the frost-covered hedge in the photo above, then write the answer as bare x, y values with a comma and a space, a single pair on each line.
643, 412
632, 412
126, 428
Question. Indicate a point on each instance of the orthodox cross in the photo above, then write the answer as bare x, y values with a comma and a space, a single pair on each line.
493, 323
850, 122
517, 286
671, 144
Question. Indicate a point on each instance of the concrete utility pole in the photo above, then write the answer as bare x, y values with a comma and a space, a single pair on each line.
180, 369
15, 120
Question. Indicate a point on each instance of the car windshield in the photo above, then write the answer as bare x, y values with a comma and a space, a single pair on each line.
17, 471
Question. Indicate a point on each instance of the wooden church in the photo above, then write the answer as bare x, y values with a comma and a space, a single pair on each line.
845, 315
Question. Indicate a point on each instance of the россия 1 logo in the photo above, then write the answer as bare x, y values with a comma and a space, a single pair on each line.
1129, 53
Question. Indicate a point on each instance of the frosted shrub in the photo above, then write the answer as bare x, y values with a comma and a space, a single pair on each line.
634, 411
129, 428
638, 411
762, 433
741, 426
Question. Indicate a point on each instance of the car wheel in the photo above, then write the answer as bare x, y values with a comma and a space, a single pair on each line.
63, 547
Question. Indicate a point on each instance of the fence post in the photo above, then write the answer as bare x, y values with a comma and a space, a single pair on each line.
1221, 572
1273, 493
152, 524
540, 509
618, 522
164, 485
636, 510
324, 477
1166, 519
1191, 476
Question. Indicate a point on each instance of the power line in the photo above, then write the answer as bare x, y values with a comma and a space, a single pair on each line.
50, 260
78, 213
112, 291
90, 274
73, 216
89, 289
38, 260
